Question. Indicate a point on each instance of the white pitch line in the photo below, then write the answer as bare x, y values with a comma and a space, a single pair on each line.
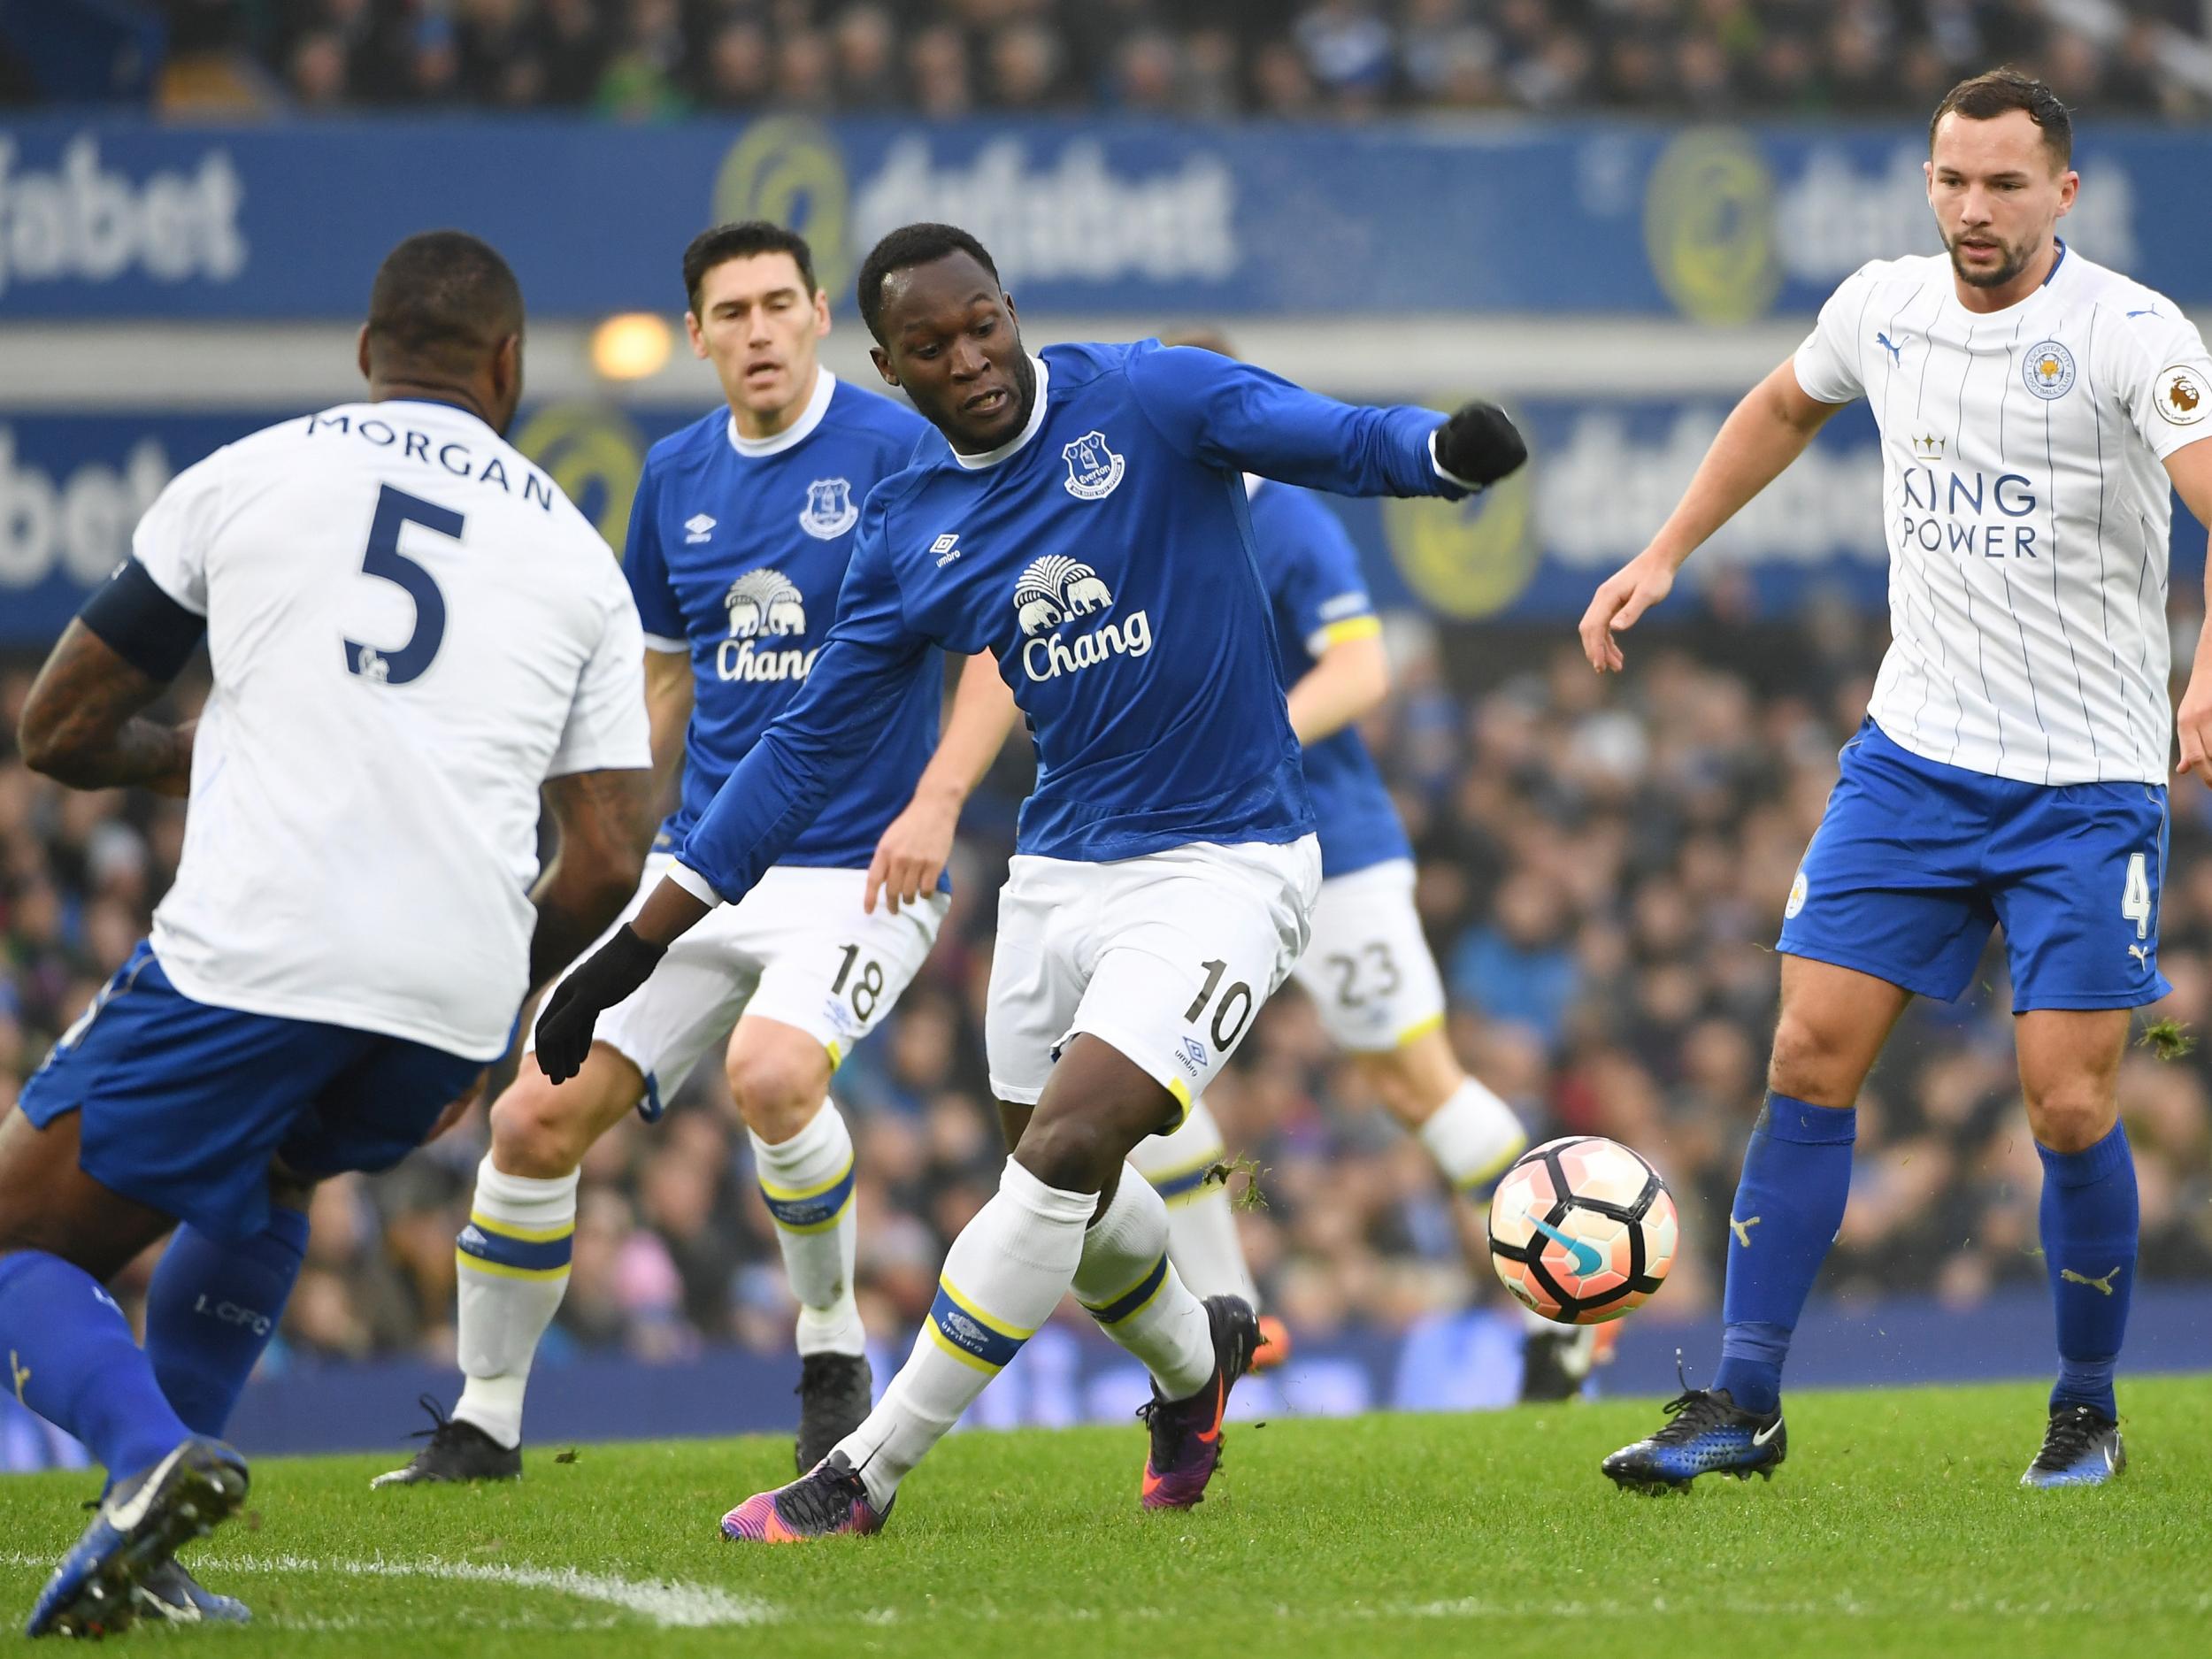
669, 1602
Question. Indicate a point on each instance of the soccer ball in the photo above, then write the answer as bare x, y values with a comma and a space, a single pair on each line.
1582, 1230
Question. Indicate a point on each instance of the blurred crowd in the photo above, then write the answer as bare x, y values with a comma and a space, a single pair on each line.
1603, 870
1345, 59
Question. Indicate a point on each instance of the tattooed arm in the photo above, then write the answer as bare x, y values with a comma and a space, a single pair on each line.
81, 725
605, 820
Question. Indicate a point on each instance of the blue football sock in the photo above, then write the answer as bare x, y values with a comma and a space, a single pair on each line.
2089, 1242
72, 1359
1789, 1203
212, 1310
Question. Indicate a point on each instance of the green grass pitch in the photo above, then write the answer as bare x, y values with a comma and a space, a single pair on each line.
1896, 1527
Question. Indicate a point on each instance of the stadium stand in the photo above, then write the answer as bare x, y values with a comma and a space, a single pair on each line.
1345, 58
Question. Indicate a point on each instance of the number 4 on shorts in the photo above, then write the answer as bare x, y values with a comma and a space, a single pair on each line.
2135, 895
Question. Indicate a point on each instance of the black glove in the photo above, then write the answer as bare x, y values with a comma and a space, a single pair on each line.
601, 980
1478, 446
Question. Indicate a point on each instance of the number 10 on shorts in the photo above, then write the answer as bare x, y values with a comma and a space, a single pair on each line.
1232, 1014
2135, 895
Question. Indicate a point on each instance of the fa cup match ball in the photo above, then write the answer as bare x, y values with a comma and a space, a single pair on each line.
1582, 1230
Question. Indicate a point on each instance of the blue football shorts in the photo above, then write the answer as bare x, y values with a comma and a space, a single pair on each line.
1915, 862
184, 1105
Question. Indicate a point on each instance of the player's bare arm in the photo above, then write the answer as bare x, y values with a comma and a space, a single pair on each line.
604, 819
1767, 430
82, 724
669, 689
2191, 470
915, 844
1350, 680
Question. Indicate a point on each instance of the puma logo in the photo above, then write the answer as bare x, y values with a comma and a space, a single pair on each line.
1742, 1229
21, 1373
1895, 348
2102, 1286
2142, 955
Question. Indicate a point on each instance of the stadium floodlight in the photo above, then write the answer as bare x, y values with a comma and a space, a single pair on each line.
630, 346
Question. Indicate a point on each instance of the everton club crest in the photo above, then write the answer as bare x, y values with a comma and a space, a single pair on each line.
829, 511
1093, 470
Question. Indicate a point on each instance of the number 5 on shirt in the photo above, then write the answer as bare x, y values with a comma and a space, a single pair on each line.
394, 508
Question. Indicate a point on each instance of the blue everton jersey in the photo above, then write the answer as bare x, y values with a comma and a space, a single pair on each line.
1313, 580
1104, 557
738, 549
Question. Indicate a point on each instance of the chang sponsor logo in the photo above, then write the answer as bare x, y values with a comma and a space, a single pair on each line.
83, 221
764, 605
1056, 589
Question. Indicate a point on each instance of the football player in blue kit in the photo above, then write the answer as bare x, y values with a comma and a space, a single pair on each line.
1082, 516
1368, 968
739, 537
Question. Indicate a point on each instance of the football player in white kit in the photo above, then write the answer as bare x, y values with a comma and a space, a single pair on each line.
410, 630
2034, 408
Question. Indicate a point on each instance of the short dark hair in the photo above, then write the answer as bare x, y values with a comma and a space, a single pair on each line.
902, 250
445, 298
1983, 98
742, 239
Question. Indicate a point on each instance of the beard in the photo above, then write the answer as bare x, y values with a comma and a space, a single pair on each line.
2014, 262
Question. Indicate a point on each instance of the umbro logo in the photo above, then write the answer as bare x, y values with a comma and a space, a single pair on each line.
698, 527
946, 548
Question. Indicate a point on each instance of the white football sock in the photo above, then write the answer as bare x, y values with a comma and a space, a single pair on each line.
512, 1260
807, 1182
1202, 1227
1473, 1136
1127, 1282
1003, 1276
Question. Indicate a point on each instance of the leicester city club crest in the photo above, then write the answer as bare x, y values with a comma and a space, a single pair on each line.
829, 511
1093, 470
2049, 369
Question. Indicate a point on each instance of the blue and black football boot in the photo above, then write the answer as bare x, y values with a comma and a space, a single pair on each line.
1709, 1434
137, 1528
2081, 1447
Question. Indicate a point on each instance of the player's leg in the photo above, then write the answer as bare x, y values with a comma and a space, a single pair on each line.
1187, 1168
2070, 1066
1889, 903
1035, 1239
1376, 988
511, 1260
213, 1306
2078, 872
1788, 1205
831, 973
1185, 955
152, 1107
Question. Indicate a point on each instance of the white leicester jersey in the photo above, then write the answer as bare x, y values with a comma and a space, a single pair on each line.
410, 629
2025, 507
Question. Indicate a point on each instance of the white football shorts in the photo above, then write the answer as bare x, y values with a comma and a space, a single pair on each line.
1369, 970
797, 949
1166, 957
